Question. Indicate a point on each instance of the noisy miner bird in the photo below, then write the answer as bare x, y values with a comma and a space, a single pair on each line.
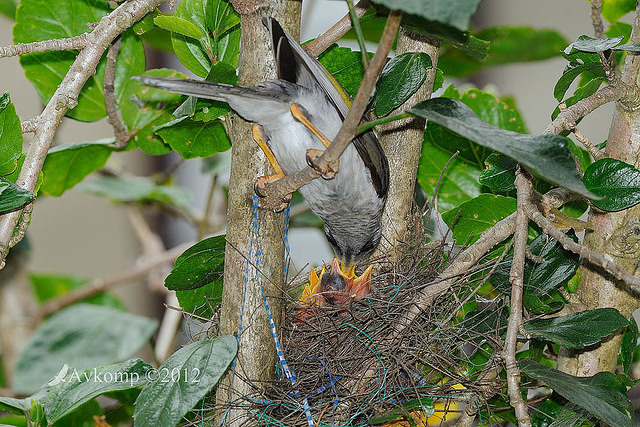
296, 116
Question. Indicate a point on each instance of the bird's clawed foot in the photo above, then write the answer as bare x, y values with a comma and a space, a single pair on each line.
260, 137
312, 160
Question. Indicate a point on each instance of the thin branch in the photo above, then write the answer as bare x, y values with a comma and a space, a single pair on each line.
66, 97
592, 149
516, 277
327, 164
119, 130
373, 123
101, 285
355, 21
76, 42
616, 270
335, 33
627, 95
596, 19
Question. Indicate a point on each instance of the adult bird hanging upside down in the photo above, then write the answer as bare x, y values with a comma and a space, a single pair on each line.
297, 116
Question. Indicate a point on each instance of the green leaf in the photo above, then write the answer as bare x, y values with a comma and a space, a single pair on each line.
10, 136
454, 13
593, 45
49, 286
587, 89
8, 8
601, 395
426, 406
13, 197
37, 20
67, 165
78, 387
136, 190
616, 182
199, 265
612, 10
81, 336
185, 378
579, 63
459, 181
539, 279
578, 330
629, 344
508, 45
551, 413
201, 301
545, 155
345, 65
195, 139
401, 77
475, 216
144, 108
500, 173
178, 25
206, 110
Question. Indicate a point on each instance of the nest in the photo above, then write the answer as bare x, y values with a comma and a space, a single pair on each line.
361, 361
364, 360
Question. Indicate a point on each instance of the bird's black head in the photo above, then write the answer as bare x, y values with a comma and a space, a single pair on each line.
353, 245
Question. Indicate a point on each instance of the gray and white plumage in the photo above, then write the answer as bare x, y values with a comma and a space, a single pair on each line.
351, 204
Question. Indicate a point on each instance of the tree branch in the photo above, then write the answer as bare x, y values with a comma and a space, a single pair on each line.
119, 130
327, 163
101, 285
66, 97
627, 95
596, 19
516, 277
76, 42
335, 33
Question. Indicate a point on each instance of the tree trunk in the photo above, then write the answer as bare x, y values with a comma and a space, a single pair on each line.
256, 359
616, 234
402, 142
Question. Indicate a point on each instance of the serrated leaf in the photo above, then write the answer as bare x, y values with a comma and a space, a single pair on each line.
49, 286
345, 65
601, 395
459, 181
178, 25
67, 165
144, 108
475, 216
455, 13
78, 387
552, 413
136, 190
13, 197
196, 139
199, 265
81, 336
401, 77
10, 136
508, 45
199, 365
616, 182
594, 45
544, 155
629, 344
612, 10
500, 173
578, 330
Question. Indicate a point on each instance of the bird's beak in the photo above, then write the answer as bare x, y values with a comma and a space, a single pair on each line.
310, 295
361, 285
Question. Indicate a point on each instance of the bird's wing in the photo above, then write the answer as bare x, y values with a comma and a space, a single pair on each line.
297, 66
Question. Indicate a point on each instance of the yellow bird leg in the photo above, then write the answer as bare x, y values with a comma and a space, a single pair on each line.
261, 139
297, 111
